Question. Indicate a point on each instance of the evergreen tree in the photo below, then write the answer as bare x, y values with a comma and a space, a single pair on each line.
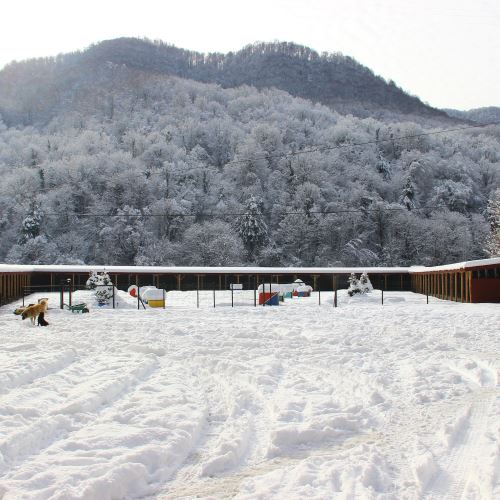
102, 285
383, 167
252, 227
408, 195
30, 227
354, 285
365, 283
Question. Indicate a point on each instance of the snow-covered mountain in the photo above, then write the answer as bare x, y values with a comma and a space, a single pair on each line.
331, 79
479, 115
106, 157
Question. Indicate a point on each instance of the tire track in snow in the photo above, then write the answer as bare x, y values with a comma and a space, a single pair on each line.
19, 376
53, 388
218, 409
228, 486
71, 416
457, 466
142, 424
233, 435
209, 472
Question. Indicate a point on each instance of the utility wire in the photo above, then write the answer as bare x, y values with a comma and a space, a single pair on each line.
241, 214
350, 144
330, 148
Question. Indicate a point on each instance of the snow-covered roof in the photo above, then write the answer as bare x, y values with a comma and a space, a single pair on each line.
13, 268
197, 270
458, 266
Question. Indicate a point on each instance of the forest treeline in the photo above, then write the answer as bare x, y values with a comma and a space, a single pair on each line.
132, 167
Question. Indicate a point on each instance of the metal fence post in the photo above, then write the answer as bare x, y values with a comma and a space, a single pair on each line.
113, 294
164, 299
335, 299
382, 296
232, 296
214, 297
319, 296
197, 298
62, 297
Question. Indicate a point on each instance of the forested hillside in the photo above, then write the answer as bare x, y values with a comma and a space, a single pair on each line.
479, 115
121, 166
332, 79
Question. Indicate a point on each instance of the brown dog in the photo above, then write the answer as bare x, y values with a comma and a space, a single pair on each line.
32, 312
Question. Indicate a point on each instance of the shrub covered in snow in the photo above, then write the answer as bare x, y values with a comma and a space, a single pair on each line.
103, 286
354, 287
359, 286
365, 283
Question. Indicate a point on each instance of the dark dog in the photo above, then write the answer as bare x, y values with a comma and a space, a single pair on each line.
41, 320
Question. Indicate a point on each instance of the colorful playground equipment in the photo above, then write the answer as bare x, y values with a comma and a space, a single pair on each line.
274, 293
154, 297
304, 291
150, 295
300, 289
269, 294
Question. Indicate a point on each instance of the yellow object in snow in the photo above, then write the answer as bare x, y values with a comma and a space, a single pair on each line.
156, 303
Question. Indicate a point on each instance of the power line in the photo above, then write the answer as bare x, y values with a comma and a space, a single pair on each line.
324, 148
351, 144
241, 214
330, 148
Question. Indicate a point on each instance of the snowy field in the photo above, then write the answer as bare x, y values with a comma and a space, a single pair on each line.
399, 401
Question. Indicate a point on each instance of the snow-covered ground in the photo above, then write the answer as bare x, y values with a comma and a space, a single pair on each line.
296, 401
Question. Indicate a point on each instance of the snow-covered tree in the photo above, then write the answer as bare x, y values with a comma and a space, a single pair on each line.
30, 227
354, 285
212, 244
408, 195
365, 283
154, 157
493, 214
251, 226
383, 167
102, 285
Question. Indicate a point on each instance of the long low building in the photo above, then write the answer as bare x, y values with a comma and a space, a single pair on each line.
474, 281
14, 279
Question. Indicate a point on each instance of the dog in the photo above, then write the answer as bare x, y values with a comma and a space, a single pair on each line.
41, 320
33, 312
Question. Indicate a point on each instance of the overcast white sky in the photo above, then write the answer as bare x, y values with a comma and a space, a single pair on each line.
445, 51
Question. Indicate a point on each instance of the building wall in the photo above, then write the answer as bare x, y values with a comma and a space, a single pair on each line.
486, 290
479, 284
12, 286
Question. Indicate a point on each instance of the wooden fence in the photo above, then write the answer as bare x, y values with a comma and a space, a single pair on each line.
12, 286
